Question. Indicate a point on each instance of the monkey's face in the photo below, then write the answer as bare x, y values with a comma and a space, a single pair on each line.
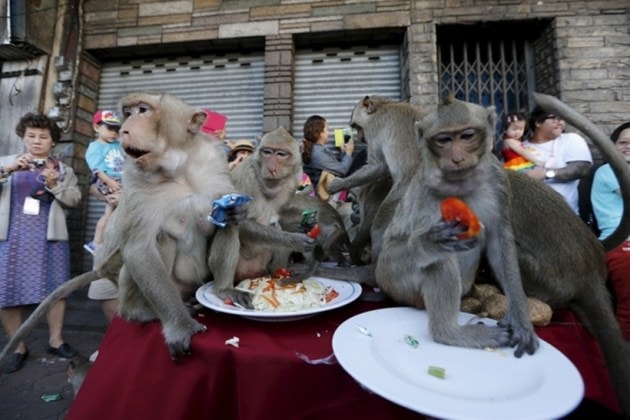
155, 124
278, 156
457, 152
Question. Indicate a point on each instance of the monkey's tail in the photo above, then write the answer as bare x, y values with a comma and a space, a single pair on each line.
58, 294
601, 323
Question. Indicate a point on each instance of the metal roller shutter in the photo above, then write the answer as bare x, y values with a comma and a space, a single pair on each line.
329, 82
232, 84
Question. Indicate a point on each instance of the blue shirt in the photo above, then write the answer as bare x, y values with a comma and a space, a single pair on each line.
106, 157
606, 200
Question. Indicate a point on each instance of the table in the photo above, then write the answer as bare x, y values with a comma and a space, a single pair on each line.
268, 375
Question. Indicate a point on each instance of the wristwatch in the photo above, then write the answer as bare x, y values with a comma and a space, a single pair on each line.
550, 174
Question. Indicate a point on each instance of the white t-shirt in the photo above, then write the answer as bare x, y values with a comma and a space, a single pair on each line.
568, 147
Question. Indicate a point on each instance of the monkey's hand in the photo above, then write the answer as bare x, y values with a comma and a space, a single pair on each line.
236, 215
178, 336
235, 297
300, 242
336, 185
521, 335
448, 236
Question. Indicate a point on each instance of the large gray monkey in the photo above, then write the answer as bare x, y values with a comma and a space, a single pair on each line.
424, 261
159, 246
392, 152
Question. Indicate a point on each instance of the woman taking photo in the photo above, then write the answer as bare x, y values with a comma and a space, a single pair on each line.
35, 188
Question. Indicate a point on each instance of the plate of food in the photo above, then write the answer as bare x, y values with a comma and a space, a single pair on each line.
274, 302
391, 353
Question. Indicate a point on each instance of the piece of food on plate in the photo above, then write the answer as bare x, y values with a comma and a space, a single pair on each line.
454, 209
270, 295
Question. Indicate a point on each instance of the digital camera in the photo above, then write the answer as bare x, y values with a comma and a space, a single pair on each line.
39, 163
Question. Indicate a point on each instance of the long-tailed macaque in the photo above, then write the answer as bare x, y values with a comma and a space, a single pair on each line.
560, 260
423, 262
271, 177
159, 245
332, 240
392, 152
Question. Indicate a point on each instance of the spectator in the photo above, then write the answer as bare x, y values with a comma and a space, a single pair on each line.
35, 189
316, 157
566, 155
515, 156
241, 150
608, 207
105, 158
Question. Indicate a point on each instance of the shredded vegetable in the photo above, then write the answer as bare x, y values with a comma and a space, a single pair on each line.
272, 296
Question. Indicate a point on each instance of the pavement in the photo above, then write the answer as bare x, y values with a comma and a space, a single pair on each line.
44, 374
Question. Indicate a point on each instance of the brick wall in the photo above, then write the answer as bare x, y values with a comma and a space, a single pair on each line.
583, 57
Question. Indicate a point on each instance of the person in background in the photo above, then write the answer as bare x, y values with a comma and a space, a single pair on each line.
515, 156
241, 150
35, 190
105, 158
608, 208
316, 157
566, 155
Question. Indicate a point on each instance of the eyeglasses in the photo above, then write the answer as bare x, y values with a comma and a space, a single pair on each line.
555, 118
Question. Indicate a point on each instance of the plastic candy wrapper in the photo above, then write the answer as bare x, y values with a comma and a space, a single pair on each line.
220, 207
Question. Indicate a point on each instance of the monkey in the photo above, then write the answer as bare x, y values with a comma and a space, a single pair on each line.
160, 244
392, 150
77, 370
332, 240
271, 176
369, 198
423, 262
568, 274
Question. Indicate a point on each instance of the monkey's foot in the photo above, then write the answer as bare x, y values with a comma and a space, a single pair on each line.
475, 336
178, 338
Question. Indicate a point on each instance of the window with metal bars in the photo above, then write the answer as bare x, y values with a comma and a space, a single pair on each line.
488, 64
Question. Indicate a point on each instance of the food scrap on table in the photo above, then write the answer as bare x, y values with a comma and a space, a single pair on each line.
234, 341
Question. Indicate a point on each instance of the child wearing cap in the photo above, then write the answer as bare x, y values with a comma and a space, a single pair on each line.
105, 157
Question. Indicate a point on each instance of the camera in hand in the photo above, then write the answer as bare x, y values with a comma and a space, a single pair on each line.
39, 163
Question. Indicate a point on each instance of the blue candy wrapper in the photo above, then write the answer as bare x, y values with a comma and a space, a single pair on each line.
220, 206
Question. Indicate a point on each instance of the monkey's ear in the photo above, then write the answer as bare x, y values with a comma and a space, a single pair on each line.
492, 116
196, 122
419, 130
370, 104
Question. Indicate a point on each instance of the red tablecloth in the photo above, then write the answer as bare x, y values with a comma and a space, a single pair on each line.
265, 377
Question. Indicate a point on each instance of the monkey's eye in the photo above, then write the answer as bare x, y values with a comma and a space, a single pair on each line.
126, 112
468, 134
280, 153
142, 108
443, 139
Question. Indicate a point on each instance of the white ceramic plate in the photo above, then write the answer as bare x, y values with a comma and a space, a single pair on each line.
348, 292
479, 384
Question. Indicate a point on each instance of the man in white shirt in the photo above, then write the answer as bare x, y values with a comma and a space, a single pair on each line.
566, 155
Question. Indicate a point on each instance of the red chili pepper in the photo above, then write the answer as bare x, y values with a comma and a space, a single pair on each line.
314, 233
454, 209
282, 273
